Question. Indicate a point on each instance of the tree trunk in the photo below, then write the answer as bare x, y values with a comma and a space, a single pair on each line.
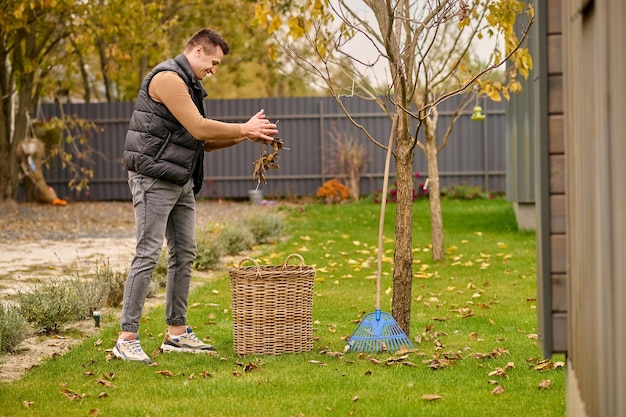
403, 256
434, 190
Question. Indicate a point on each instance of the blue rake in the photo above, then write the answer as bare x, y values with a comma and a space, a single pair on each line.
378, 331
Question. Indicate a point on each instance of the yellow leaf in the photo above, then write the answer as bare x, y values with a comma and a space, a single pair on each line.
274, 24
431, 397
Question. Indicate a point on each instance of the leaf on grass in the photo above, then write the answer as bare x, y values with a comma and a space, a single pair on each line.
431, 397
103, 395
104, 382
27, 404
71, 394
545, 384
498, 390
355, 399
498, 372
165, 373
93, 412
319, 363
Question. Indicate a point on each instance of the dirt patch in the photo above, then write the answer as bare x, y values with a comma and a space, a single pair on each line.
39, 242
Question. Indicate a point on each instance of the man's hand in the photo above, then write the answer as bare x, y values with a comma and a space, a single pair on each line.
259, 128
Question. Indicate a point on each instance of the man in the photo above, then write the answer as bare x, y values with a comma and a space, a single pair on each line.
163, 153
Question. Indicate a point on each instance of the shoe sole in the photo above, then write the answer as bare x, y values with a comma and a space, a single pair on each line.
170, 348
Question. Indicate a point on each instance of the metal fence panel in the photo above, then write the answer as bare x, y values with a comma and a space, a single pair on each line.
475, 153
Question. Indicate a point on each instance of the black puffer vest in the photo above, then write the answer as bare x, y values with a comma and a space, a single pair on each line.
157, 145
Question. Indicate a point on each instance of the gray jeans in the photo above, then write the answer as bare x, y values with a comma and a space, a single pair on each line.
162, 210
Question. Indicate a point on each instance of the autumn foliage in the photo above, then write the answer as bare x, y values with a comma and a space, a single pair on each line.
333, 191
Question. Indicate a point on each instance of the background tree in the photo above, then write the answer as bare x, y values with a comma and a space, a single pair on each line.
425, 47
100, 50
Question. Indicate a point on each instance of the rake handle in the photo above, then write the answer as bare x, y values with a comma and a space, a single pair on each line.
381, 223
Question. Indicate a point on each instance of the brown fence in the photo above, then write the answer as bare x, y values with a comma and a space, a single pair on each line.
475, 153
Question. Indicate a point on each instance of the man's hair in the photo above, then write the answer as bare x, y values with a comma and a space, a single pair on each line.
209, 39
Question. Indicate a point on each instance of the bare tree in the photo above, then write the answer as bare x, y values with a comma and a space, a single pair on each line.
426, 49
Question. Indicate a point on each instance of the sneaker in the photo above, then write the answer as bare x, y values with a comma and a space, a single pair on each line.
130, 350
187, 342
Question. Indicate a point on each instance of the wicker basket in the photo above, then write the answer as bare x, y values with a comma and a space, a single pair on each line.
272, 307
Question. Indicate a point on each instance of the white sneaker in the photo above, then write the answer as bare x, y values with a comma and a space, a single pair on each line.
186, 342
130, 350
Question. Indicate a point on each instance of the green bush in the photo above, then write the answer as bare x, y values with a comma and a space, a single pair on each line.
50, 305
236, 238
12, 328
91, 295
464, 191
208, 254
159, 277
114, 281
266, 226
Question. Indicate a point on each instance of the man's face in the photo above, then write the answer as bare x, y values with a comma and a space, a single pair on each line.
206, 63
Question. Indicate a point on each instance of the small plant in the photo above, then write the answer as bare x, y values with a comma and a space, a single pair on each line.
333, 191
50, 305
236, 238
265, 226
208, 254
210, 247
159, 276
91, 294
464, 191
12, 328
114, 280
347, 158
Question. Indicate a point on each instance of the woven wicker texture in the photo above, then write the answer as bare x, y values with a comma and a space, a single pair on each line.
272, 307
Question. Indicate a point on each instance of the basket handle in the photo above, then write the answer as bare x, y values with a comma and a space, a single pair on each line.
297, 255
249, 259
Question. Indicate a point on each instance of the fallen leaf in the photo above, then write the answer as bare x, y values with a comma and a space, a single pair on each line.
431, 397
27, 404
545, 384
104, 382
314, 362
103, 395
498, 390
355, 399
165, 373
93, 412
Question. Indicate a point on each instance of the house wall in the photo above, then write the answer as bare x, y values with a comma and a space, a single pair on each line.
594, 198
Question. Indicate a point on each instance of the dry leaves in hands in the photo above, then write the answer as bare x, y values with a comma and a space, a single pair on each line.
267, 161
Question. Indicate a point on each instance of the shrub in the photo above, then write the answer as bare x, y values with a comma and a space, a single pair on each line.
464, 191
208, 254
91, 294
265, 226
159, 277
50, 305
210, 248
114, 281
347, 157
12, 328
236, 238
333, 191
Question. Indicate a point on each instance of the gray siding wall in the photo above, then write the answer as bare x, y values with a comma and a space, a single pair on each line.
475, 154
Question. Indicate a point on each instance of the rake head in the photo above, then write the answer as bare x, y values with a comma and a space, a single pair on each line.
378, 332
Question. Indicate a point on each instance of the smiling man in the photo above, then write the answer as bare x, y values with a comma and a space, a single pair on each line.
164, 155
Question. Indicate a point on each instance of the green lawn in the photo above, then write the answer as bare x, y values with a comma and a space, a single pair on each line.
475, 313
